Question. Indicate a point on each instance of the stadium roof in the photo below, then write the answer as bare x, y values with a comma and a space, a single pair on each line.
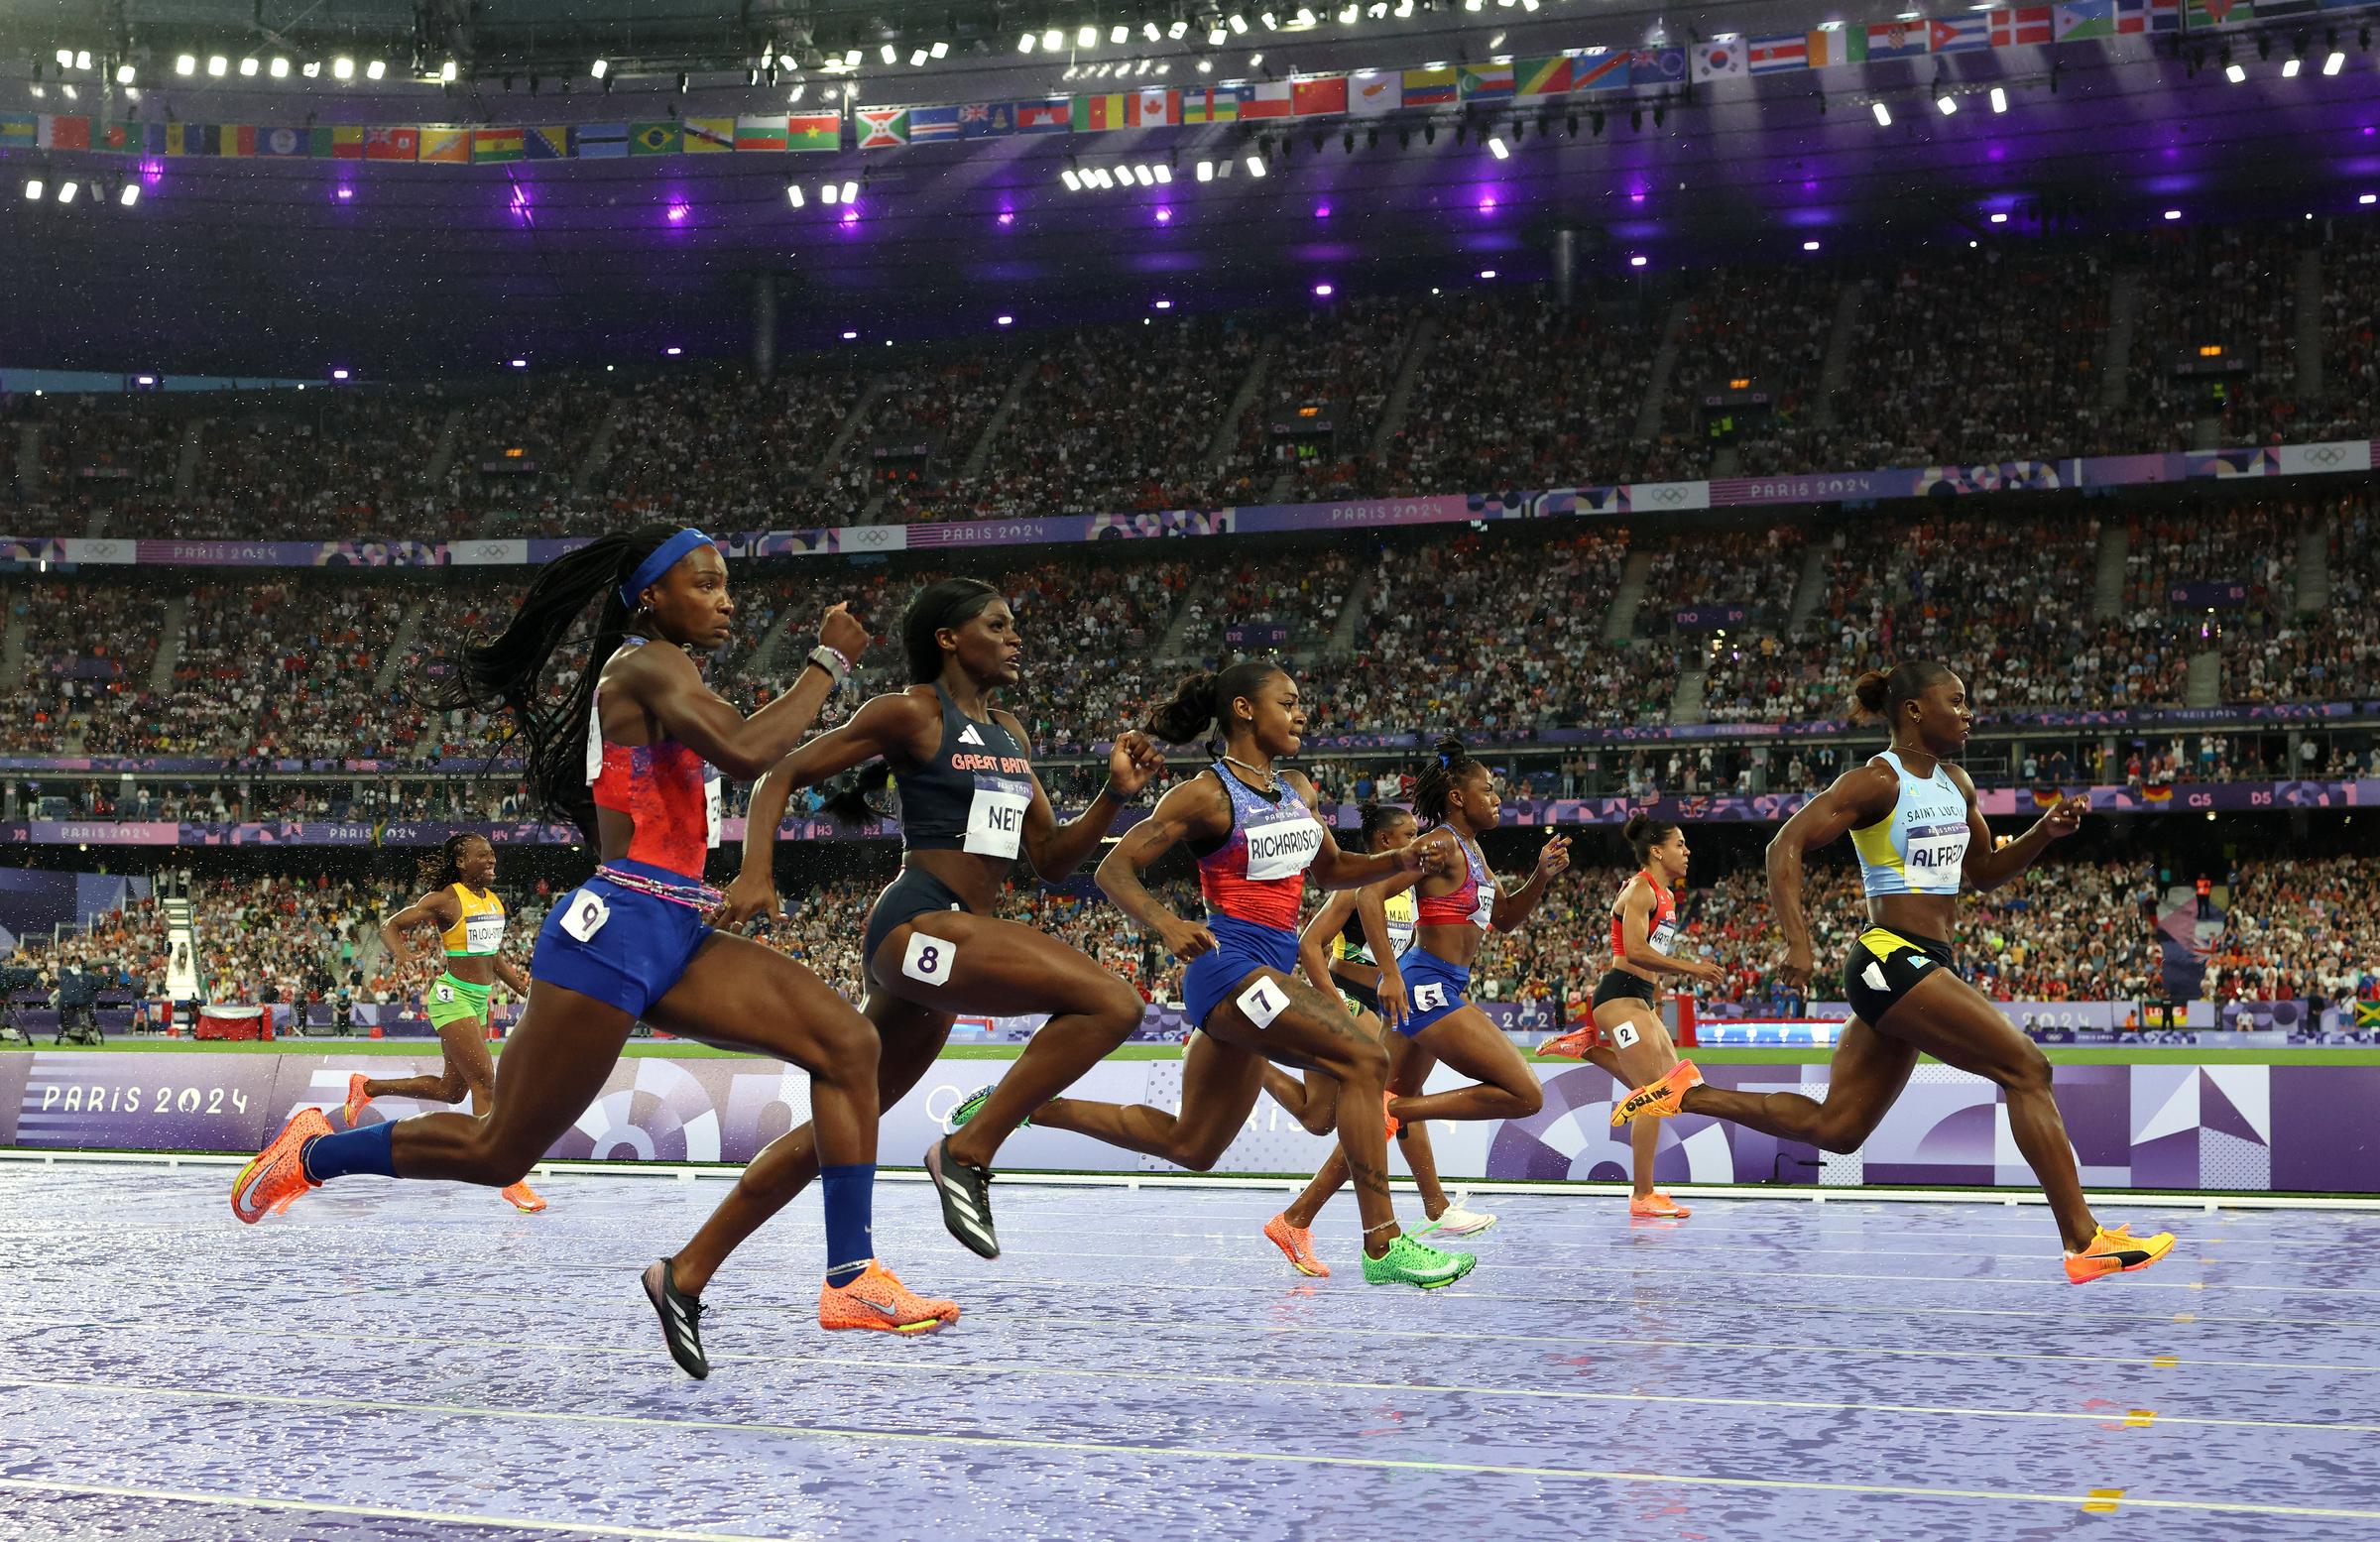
236, 266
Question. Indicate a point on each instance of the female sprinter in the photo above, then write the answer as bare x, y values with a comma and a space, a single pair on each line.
1913, 821
466, 912
1253, 831
970, 806
1626, 1036
625, 756
1339, 950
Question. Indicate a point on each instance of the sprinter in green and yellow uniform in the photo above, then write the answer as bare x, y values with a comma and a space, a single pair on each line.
470, 920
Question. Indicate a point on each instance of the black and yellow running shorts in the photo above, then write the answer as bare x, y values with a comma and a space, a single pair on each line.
1884, 964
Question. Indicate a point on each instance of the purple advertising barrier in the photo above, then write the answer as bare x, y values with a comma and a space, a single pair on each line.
1834, 487
2133, 1127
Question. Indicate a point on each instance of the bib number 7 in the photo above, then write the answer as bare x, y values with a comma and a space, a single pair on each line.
1261, 1003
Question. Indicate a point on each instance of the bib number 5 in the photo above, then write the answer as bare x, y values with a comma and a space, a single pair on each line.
1429, 997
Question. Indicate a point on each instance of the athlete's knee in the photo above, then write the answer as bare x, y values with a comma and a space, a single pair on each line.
2027, 1071
453, 1086
1358, 1061
1843, 1130
1528, 1096
845, 1042
500, 1157
1116, 1008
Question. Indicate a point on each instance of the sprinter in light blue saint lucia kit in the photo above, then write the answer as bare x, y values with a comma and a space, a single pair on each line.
1912, 817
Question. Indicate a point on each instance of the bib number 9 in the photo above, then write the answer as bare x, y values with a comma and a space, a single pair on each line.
584, 914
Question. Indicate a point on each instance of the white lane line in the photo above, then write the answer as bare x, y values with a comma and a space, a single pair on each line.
380, 1512
944, 1369
844, 1434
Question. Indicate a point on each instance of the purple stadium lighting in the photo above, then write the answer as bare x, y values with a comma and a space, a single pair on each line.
346, 193
1488, 204
1487, 273
1809, 246
1007, 321
678, 213
2173, 213
1008, 218
1636, 262
1323, 292
1322, 211
850, 217
1164, 217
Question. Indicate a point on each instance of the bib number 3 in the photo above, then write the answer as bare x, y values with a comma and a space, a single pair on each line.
929, 960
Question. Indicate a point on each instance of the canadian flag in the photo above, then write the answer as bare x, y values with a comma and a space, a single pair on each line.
2026, 24
1159, 106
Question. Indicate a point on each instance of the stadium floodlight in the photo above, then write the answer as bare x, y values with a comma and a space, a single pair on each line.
82, 59
65, 58
1257, 166
186, 64
794, 95
1237, 24
1809, 246
1349, 14
312, 69
851, 192
1149, 30
851, 58
1205, 171
1176, 29
129, 196
1268, 21
73, 95
887, 52
2289, 68
247, 67
2335, 63
1999, 99
1206, 66
829, 193
33, 189
1883, 115
66, 190
2000, 217
1164, 174
1024, 45
217, 65
940, 50
1498, 148
2173, 213
1072, 179
917, 59
1948, 103
1088, 38
600, 69
1144, 176
2236, 74
342, 68
1120, 33
449, 71
793, 194
1637, 262
2366, 200
1217, 37
126, 75
375, 70
1052, 40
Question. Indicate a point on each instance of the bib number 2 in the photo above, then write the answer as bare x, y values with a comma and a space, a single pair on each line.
929, 960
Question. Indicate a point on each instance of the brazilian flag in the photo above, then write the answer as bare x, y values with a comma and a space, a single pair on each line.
655, 139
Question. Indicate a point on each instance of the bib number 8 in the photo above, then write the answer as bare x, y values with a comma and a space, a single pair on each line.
929, 960
1429, 997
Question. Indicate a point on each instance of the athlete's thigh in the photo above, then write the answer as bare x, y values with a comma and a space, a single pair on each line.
738, 995
464, 1042
1950, 1019
1466, 1040
1284, 1018
1648, 1053
1220, 1086
911, 1038
952, 961
557, 1059
1868, 1067
1410, 1065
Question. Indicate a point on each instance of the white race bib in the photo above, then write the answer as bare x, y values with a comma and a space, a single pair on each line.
1936, 855
1665, 935
483, 931
710, 804
584, 913
1262, 1001
1429, 997
929, 960
996, 819
1483, 915
1281, 848
441, 993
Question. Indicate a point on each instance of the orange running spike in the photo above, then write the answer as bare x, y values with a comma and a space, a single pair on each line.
276, 1176
879, 1300
2116, 1252
1296, 1244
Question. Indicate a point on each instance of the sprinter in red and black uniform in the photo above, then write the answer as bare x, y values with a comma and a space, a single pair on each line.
628, 758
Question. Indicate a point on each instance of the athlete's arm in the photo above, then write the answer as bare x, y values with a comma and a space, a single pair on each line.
892, 724
1055, 849
1372, 903
1314, 943
666, 683
512, 975
1986, 868
1510, 909
1196, 809
1859, 796
1336, 868
1637, 937
439, 909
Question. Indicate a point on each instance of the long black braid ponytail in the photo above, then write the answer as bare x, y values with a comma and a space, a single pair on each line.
509, 670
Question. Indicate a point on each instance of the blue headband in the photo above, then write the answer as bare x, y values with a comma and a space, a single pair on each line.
664, 558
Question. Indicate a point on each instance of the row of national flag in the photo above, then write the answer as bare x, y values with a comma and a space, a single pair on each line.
1363, 93
436, 144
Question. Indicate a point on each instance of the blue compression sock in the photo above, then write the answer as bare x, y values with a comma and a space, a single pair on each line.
850, 1194
349, 1151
